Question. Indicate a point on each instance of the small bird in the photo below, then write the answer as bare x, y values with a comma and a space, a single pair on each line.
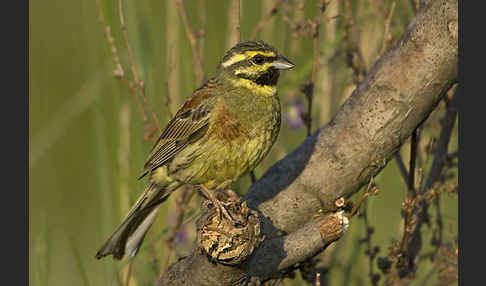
220, 133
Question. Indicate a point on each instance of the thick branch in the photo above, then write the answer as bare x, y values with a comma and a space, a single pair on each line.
397, 95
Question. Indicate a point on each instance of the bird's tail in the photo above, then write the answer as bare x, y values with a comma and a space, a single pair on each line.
129, 235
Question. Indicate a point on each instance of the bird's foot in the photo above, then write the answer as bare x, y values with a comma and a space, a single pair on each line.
232, 196
221, 207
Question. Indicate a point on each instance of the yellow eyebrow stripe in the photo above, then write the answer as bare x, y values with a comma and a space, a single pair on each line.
234, 59
248, 54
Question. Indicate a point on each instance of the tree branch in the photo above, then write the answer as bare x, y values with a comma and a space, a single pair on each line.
397, 95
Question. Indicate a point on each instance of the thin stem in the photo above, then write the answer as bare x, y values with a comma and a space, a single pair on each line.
129, 272
413, 159
118, 72
261, 24
371, 251
138, 84
236, 17
252, 177
309, 87
127, 42
196, 58
168, 84
386, 34
202, 29
370, 191
181, 204
355, 59
401, 166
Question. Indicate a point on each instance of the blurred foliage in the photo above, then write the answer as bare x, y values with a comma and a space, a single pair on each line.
83, 177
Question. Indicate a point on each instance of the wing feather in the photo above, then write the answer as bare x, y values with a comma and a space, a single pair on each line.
186, 127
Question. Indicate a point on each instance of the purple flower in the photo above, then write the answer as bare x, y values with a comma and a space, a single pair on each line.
293, 114
181, 237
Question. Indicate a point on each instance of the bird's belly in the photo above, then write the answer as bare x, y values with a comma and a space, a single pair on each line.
217, 163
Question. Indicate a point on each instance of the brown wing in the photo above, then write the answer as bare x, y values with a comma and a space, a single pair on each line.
187, 126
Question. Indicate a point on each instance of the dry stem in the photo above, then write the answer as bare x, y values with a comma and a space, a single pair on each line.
355, 59
168, 84
119, 71
139, 85
236, 20
386, 34
181, 204
265, 19
196, 57
370, 191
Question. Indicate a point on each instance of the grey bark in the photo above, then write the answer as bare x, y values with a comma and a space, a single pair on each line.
397, 95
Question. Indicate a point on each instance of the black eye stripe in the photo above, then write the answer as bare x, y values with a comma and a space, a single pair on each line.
260, 59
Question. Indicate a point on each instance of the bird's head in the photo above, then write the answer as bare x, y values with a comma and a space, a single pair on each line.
253, 62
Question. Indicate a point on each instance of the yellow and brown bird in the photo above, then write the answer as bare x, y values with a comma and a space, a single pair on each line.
220, 133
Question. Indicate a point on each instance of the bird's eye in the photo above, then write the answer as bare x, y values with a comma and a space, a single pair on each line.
258, 59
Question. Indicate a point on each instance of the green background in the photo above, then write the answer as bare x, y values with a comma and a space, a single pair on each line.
82, 176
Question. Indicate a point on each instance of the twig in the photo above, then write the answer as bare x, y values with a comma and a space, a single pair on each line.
386, 34
127, 42
196, 57
401, 166
129, 272
415, 207
441, 151
236, 21
265, 19
124, 161
370, 251
181, 204
234, 34
411, 199
355, 59
252, 177
440, 158
370, 191
437, 239
413, 159
139, 85
453, 240
308, 87
202, 29
168, 84
118, 72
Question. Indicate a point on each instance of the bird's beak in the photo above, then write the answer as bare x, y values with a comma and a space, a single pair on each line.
282, 63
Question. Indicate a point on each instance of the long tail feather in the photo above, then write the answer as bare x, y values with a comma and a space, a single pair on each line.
129, 235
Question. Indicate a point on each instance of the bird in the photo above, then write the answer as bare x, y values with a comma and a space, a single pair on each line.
221, 132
